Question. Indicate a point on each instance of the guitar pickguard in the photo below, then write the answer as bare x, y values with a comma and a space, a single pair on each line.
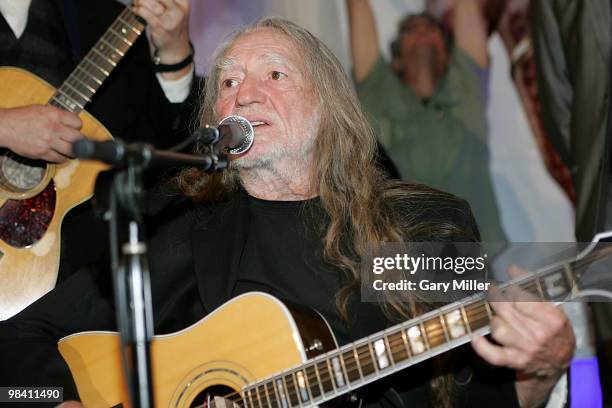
24, 222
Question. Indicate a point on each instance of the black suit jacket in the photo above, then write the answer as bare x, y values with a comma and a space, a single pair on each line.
573, 44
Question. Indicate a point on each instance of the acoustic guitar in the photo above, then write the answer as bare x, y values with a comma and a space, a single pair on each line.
255, 351
35, 195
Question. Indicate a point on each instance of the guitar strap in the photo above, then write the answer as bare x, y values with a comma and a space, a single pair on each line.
71, 23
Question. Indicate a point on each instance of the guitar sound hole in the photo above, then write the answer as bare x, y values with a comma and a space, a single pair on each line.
19, 174
205, 399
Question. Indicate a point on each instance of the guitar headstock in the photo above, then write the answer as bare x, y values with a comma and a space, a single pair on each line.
593, 269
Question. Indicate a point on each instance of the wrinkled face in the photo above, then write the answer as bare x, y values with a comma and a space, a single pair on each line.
423, 40
263, 79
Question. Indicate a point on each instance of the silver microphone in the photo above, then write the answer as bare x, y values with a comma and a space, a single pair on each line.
233, 134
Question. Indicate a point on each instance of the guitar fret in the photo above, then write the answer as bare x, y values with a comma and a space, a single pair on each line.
312, 382
81, 83
571, 279
339, 371
292, 391
73, 95
319, 380
58, 103
326, 382
489, 311
415, 339
357, 363
265, 392
389, 351
89, 60
121, 42
120, 36
350, 364
405, 342
117, 52
453, 320
296, 387
250, 398
67, 101
433, 332
556, 286
280, 392
100, 60
466, 321
121, 29
271, 393
394, 340
130, 26
90, 75
382, 360
85, 98
112, 63
366, 363
530, 287
342, 368
302, 386
318, 391
117, 42
539, 286
372, 355
478, 315
425, 337
444, 328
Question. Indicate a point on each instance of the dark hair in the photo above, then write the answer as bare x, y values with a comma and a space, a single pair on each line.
404, 26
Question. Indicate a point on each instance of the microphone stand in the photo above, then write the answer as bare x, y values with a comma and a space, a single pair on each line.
120, 197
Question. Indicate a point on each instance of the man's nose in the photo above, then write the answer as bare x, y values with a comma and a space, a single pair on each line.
249, 92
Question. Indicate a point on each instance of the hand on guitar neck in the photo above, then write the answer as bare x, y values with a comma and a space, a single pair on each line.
534, 338
39, 132
168, 31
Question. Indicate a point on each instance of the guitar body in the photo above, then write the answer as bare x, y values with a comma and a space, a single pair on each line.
247, 339
256, 352
31, 211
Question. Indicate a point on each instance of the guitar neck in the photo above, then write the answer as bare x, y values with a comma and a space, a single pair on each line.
78, 89
384, 353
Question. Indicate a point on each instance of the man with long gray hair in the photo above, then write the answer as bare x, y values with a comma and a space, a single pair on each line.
292, 218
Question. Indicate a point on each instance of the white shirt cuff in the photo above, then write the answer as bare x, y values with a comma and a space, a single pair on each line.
176, 90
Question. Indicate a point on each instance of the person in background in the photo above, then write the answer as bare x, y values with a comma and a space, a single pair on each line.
573, 49
428, 104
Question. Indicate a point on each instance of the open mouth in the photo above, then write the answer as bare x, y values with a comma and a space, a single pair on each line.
258, 123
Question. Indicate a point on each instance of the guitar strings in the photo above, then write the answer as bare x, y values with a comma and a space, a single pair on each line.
352, 365
351, 370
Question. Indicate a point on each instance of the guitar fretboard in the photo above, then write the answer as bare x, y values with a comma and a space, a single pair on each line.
356, 364
78, 89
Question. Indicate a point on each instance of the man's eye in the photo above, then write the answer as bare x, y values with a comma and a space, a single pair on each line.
277, 75
229, 83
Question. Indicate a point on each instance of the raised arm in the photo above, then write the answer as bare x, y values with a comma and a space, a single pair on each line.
363, 37
470, 30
